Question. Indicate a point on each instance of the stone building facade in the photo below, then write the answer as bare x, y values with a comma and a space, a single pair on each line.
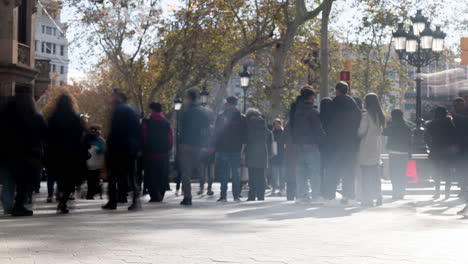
19, 69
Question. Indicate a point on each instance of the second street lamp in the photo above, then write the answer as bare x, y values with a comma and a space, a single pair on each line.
177, 103
244, 82
420, 46
204, 96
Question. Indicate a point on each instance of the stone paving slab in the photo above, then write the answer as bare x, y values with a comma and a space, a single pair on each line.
415, 230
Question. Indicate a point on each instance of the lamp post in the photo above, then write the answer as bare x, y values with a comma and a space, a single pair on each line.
419, 47
244, 82
204, 96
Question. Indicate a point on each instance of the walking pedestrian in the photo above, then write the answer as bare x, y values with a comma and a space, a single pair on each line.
370, 133
122, 148
257, 153
230, 134
277, 161
157, 144
343, 140
23, 136
195, 122
460, 120
398, 146
307, 136
66, 151
96, 163
441, 137
328, 183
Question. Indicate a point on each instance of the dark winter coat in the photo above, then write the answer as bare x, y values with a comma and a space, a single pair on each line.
441, 137
460, 121
398, 136
259, 138
158, 138
278, 136
66, 151
307, 128
230, 131
345, 118
22, 137
124, 133
194, 126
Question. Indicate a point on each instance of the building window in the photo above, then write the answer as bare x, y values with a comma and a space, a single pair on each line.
53, 68
62, 50
62, 69
23, 22
35, 45
53, 48
47, 47
43, 29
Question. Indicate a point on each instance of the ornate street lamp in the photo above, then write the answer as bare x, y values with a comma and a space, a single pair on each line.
204, 96
244, 82
177, 103
419, 46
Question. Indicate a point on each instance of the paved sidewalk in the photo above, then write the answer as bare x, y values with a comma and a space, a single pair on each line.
416, 230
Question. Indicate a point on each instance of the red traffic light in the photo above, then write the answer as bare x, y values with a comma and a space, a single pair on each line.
345, 76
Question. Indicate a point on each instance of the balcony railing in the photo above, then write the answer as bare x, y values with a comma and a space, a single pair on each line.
24, 55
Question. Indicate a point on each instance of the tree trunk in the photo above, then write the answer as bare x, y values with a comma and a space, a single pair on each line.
324, 56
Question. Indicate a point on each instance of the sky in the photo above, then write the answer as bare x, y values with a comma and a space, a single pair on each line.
79, 66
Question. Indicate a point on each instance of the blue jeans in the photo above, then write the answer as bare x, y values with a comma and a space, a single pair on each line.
8, 190
278, 177
308, 170
229, 162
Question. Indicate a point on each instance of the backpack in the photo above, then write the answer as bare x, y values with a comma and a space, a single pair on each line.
157, 141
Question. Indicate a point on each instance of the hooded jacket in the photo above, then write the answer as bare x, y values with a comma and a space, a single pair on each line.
230, 131
307, 128
345, 118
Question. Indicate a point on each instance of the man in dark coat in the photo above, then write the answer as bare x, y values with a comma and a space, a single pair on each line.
460, 119
230, 131
343, 141
194, 126
307, 135
157, 144
122, 145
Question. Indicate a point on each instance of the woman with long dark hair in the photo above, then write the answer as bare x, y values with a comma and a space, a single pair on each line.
370, 133
66, 153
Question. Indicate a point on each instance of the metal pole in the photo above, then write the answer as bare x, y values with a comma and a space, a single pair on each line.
245, 99
418, 99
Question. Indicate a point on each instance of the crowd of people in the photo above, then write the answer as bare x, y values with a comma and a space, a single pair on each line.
305, 158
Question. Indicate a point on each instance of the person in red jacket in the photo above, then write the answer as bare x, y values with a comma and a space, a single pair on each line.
158, 140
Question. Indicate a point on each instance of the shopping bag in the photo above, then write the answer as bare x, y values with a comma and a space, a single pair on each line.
412, 172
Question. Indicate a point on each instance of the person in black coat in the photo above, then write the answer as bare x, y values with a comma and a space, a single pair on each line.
343, 141
123, 143
157, 144
277, 161
460, 120
23, 136
441, 137
328, 183
398, 146
66, 152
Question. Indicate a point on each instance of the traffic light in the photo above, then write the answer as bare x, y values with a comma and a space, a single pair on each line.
345, 76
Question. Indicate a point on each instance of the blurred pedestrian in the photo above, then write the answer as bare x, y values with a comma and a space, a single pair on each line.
370, 133
122, 148
398, 135
157, 144
257, 153
23, 136
343, 141
328, 183
230, 134
96, 162
195, 122
277, 161
66, 151
441, 137
460, 120
307, 135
